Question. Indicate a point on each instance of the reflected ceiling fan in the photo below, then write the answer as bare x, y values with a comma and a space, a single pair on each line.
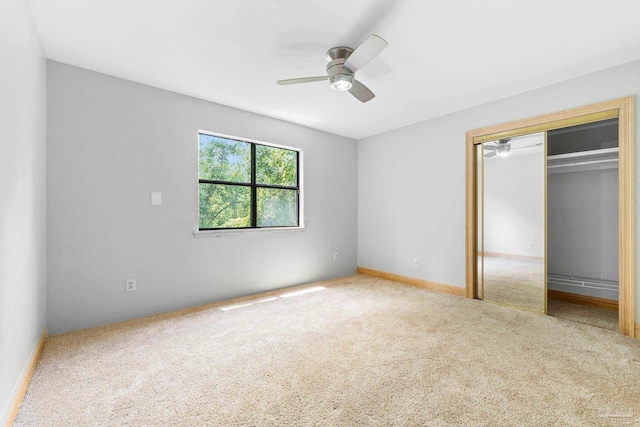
342, 67
502, 147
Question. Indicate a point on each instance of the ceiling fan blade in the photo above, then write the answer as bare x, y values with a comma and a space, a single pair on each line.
490, 147
361, 92
302, 80
490, 155
368, 49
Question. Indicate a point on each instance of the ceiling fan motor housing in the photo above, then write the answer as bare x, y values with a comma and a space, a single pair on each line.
341, 77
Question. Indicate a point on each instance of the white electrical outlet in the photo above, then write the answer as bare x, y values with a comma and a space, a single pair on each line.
335, 256
530, 245
130, 285
415, 262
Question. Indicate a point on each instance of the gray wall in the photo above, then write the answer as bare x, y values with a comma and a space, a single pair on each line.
22, 195
411, 181
514, 204
112, 142
583, 224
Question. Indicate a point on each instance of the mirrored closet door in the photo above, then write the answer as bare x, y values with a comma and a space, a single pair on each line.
512, 221
549, 217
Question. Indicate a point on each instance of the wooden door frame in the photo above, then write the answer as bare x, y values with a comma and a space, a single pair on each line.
623, 109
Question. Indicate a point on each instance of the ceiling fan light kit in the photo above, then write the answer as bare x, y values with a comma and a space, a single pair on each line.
504, 150
342, 66
341, 82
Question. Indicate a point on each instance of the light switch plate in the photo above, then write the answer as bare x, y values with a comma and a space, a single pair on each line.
156, 198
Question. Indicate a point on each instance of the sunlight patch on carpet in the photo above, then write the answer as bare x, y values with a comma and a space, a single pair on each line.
274, 298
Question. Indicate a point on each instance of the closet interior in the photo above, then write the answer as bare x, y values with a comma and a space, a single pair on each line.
582, 223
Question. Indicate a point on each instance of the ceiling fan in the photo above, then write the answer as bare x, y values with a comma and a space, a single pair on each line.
502, 147
342, 66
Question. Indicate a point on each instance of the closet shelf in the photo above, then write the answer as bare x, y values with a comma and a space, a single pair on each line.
606, 158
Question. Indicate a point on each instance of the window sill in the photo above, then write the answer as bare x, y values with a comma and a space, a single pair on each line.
220, 233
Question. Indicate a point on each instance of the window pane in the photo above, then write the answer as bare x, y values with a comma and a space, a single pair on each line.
225, 206
224, 159
277, 207
276, 166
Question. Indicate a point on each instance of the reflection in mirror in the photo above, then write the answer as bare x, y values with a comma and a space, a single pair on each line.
513, 215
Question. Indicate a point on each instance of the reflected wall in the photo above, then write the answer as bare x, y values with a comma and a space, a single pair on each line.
511, 212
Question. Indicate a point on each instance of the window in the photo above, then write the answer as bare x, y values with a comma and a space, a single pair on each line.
247, 185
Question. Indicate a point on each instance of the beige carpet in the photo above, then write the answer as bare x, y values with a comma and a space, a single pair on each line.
607, 319
516, 282
361, 352
520, 283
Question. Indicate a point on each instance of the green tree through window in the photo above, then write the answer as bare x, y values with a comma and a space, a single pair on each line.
246, 185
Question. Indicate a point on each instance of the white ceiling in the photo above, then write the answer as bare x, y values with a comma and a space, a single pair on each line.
443, 56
